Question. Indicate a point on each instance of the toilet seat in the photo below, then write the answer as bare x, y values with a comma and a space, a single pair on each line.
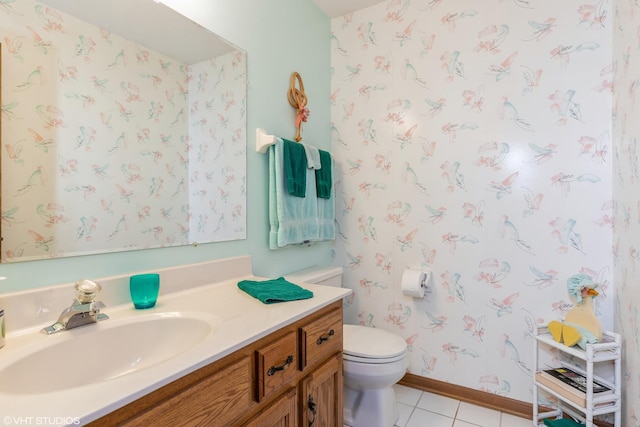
371, 360
370, 345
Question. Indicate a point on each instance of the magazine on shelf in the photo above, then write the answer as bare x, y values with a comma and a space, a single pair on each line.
573, 386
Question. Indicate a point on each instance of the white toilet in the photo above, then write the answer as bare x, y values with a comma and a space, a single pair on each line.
373, 359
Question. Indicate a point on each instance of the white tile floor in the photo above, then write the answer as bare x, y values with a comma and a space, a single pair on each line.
423, 409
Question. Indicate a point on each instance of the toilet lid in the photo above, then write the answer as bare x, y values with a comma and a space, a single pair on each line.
371, 343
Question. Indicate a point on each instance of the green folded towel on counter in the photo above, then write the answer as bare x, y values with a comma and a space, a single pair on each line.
274, 290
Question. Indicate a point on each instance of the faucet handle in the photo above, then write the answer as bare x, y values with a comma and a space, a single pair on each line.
86, 290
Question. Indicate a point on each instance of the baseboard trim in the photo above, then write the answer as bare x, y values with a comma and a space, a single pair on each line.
476, 397
469, 395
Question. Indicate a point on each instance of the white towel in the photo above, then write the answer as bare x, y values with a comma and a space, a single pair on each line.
313, 156
292, 219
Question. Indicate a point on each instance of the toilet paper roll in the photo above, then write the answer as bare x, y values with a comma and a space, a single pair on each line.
414, 282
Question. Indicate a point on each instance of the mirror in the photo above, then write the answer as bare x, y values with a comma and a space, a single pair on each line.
119, 131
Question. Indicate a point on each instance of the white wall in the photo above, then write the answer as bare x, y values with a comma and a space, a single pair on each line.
474, 141
626, 184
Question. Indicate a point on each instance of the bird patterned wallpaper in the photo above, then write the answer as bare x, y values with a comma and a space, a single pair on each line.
108, 145
474, 140
625, 23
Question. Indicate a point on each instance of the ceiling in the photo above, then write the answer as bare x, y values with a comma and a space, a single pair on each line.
335, 8
186, 41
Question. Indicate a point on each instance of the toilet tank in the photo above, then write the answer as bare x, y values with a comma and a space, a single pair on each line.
327, 276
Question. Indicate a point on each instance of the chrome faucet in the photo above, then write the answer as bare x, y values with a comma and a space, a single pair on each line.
83, 311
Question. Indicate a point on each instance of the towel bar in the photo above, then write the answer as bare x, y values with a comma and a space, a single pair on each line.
263, 140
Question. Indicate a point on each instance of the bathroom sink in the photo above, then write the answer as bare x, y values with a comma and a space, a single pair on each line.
103, 351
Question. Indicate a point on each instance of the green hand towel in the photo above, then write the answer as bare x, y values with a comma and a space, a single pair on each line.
564, 422
323, 176
295, 167
274, 290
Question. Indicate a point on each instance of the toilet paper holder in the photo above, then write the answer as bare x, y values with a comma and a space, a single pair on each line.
424, 279
415, 282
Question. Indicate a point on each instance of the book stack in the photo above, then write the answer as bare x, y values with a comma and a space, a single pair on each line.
573, 386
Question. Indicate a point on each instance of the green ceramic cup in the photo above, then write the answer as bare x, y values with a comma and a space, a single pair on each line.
144, 289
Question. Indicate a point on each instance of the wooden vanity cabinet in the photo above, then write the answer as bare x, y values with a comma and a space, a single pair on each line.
292, 377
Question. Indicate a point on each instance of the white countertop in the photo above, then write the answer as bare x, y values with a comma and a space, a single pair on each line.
243, 319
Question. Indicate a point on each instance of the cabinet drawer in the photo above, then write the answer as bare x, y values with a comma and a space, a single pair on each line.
320, 338
275, 365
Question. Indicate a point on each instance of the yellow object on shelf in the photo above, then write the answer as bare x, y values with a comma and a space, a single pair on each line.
563, 333
583, 314
555, 328
570, 335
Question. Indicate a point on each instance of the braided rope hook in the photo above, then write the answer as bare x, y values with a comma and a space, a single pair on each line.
298, 100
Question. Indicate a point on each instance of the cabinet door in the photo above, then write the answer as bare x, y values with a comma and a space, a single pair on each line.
281, 413
215, 401
321, 400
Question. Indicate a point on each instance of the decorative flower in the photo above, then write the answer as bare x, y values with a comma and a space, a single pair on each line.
303, 114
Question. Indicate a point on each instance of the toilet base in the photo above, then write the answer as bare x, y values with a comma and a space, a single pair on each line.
370, 408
